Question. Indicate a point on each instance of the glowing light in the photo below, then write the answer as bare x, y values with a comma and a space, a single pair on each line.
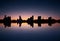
26, 15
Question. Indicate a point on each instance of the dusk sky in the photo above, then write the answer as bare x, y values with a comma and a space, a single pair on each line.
27, 8
30, 30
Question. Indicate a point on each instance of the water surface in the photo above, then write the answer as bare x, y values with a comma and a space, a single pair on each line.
29, 33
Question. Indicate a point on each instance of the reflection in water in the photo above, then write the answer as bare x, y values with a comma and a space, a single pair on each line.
26, 32
25, 24
7, 21
25, 27
30, 30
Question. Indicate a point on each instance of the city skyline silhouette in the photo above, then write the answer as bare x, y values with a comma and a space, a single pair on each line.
7, 21
29, 20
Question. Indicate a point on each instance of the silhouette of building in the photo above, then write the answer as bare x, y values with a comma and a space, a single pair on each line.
19, 20
50, 18
39, 19
7, 21
30, 21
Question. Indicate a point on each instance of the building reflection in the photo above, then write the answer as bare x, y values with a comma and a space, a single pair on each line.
7, 21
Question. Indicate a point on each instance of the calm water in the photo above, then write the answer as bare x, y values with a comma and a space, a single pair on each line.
27, 33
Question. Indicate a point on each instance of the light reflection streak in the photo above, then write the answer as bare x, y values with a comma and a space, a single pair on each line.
27, 25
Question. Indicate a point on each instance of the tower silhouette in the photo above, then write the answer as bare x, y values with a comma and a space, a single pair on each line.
19, 21
39, 21
7, 21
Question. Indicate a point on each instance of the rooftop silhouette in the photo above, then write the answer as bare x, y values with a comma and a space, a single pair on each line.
7, 21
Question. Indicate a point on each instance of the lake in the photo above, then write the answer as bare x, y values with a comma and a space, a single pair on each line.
26, 32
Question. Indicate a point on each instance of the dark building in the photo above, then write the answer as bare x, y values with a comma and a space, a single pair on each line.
30, 21
50, 21
7, 21
39, 17
19, 20
50, 18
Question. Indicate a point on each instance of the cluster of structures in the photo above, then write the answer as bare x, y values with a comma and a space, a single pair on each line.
7, 21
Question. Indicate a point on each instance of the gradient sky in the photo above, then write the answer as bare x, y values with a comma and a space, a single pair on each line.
27, 8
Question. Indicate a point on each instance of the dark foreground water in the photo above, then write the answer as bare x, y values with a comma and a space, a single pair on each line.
27, 33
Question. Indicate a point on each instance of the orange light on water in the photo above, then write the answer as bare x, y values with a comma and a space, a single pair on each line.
14, 24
